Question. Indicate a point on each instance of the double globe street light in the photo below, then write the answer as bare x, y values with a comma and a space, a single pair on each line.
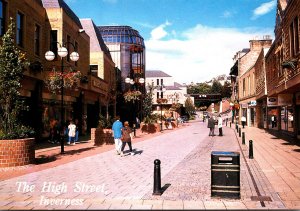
50, 56
161, 89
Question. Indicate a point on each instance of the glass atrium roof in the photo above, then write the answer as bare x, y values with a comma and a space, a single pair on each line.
121, 34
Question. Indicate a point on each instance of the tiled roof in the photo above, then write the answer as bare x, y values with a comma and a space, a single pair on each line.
96, 42
178, 84
156, 74
61, 4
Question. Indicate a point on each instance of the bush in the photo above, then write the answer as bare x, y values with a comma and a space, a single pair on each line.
105, 123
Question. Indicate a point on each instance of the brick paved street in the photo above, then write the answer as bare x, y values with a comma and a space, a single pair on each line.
127, 182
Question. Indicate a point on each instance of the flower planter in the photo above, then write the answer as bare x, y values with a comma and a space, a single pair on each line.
102, 136
150, 127
17, 152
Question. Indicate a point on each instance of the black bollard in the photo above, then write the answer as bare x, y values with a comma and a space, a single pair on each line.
157, 179
230, 124
226, 121
240, 132
237, 128
243, 137
250, 149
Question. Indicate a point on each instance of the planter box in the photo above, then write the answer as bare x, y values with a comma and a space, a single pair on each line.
102, 136
150, 128
17, 152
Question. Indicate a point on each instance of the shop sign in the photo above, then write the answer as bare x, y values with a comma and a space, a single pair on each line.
252, 103
285, 99
272, 101
298, 98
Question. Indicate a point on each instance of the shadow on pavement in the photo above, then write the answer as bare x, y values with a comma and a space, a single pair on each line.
165, 187
45, 159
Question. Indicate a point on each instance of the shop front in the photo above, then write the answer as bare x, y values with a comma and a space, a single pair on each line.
285, 101
272, 113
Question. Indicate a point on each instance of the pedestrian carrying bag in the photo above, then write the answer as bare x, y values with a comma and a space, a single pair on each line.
125, 135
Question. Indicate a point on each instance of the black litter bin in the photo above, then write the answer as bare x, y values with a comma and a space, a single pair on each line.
225, 174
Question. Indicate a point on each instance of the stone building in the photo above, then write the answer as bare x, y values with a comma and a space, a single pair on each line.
44, 25
102, 69
283, 70
244, 73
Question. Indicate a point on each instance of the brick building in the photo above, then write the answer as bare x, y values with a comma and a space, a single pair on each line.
282, 66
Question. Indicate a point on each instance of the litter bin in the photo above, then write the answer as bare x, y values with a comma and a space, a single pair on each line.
225, 174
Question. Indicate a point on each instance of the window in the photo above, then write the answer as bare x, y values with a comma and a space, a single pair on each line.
294, 37
161, 81
68, 47
37, 39
2, 17
53, 42
76, 49
244, 87
20, 29
157, 82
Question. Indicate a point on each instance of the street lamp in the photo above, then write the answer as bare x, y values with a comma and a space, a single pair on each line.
137, 80
161, 89
50, 56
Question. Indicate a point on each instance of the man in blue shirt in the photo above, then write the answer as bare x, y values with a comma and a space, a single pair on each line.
117, 131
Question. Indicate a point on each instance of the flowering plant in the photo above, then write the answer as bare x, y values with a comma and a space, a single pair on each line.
57, 80
132, 95
161, 100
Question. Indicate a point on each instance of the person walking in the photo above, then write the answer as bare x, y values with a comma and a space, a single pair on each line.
127, 136
77, 130
243, 119
211, 126
72, 132
220, 125
117, 133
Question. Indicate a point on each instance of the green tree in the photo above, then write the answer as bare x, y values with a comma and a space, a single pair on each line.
12, 66
147, 102
216, 87
226, 91
189, 106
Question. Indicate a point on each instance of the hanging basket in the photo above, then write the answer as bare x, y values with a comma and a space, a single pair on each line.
56, 80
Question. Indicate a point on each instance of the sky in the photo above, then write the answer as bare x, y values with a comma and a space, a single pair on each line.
191, 40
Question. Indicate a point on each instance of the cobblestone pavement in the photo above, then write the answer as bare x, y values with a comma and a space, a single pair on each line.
108, 181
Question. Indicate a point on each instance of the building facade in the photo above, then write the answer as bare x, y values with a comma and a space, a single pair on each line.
43, 25
283, 70
174, 93
127, 49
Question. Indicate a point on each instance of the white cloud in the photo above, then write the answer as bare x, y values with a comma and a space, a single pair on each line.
263, 9
160, 32
201, 53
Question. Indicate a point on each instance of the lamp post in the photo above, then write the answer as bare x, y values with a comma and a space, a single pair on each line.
137, 80
161, 89
50, 56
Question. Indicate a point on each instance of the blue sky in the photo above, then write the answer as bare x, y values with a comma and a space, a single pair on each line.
192, 40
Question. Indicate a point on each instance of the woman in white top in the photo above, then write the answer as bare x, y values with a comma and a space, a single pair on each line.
220, 124
72, 132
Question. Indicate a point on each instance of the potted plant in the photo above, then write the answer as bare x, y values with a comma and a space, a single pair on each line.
16, 146
103, 133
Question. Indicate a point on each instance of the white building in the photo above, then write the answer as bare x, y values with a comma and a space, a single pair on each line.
174, 92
